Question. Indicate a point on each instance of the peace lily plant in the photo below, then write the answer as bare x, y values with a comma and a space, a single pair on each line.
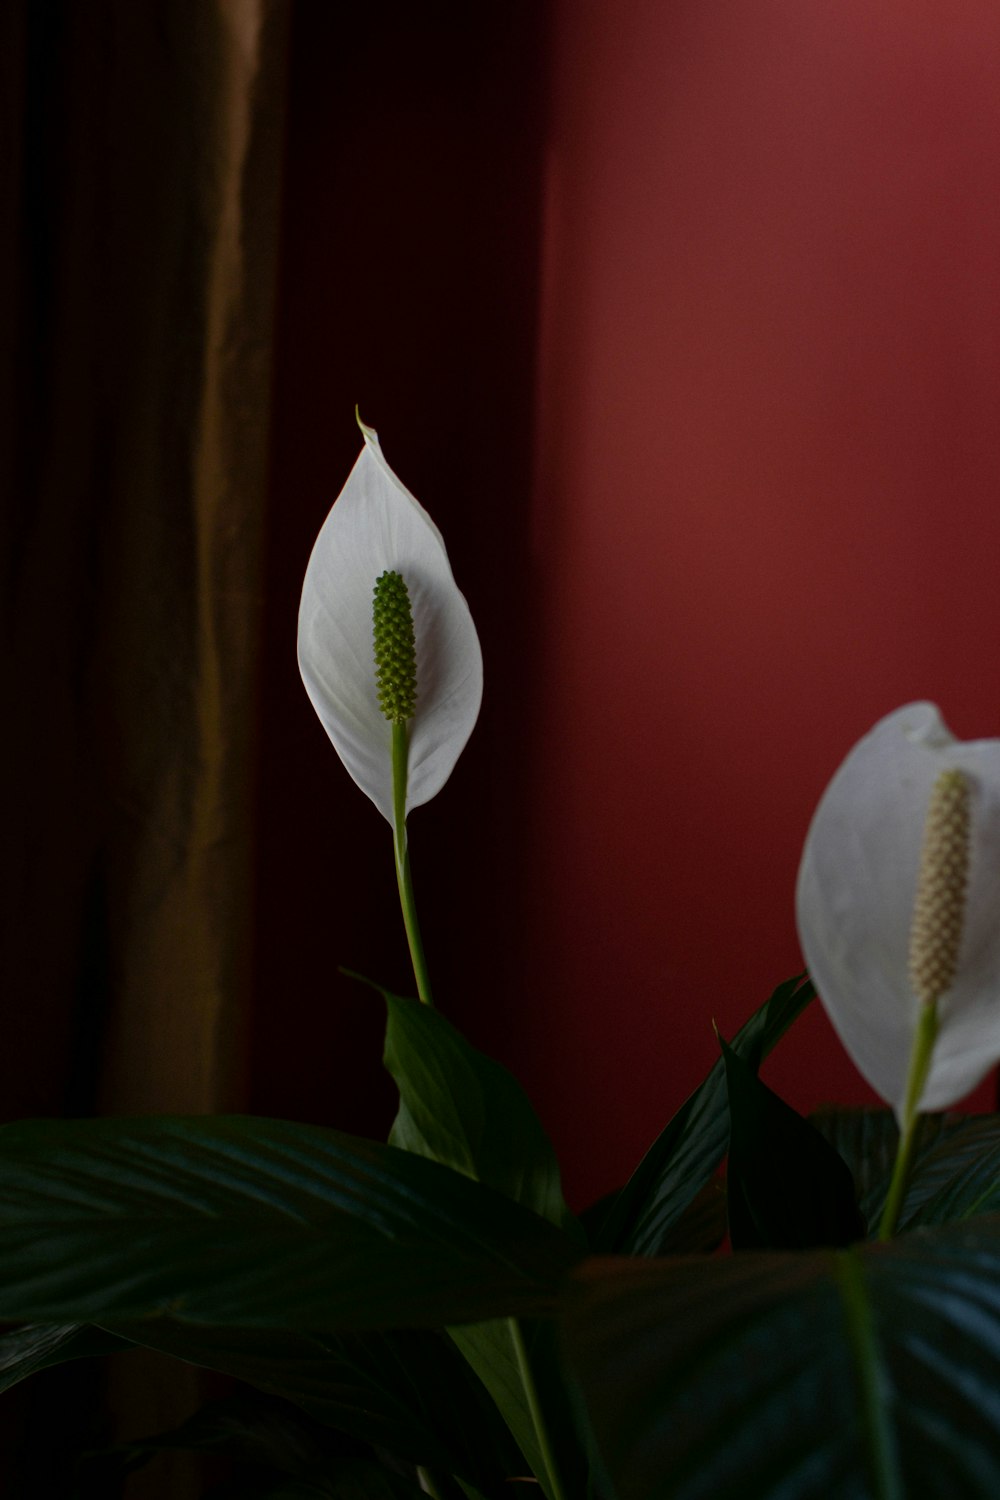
769, 1306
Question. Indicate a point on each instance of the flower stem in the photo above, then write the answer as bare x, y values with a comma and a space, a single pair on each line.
404, 878
920, 1060
554, 1487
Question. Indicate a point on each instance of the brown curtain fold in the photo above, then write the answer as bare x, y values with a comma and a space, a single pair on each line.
140, 312
140, 194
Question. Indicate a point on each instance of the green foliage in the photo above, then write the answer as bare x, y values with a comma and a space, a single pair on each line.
684, 1158
957, 1176
427, 1308
868, 1372
256, 1223
788, 1188
459, 1107
406, 1392
37, 1346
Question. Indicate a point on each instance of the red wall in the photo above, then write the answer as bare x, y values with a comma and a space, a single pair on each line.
766, 504
694, 354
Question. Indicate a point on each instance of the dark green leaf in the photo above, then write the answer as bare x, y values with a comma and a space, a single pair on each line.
492, 1350
278, 1451
788, 1189
363, 1480
409, 1392
703, 1225
459, 1107
489, 1350
256, 1223
37, 1346
593, 1216
867, 1139
957, 1176
687, 1154
863, 1374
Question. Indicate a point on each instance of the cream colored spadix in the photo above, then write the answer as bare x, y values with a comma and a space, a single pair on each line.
376, 526
942, 886
880, 938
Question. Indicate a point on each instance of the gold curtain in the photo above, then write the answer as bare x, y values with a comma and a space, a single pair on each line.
142, 148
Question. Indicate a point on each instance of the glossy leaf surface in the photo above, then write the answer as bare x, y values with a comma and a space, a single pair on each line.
255, 1223
868, 1140
459, 1107
825, 1375
38, 1346
957, 1176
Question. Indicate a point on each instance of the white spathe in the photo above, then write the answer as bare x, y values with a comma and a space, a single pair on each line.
376, 525
856, 890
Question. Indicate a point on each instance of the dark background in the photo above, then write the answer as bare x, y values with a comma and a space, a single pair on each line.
409, 285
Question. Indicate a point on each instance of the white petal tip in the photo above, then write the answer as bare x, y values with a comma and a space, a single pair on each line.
368, 433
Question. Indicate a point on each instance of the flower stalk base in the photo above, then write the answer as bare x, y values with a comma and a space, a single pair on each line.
920, 1061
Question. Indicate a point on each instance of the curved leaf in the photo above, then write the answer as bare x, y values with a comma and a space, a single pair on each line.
491, 1349
787, 1187
256, 1223
958, 1176
459, 1107
868, 1139
870, 1372
684, 1157
37, 1346
275, 1446
408, 1393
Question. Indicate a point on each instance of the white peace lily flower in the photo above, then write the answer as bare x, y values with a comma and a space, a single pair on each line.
376, 526
878, 957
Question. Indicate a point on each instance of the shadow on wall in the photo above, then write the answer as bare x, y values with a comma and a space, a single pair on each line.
408, 285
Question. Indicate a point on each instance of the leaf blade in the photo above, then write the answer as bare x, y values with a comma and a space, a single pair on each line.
687, 1153
461, 1108
38, 1346
407, 1392
787, 1187
255, 1223
754, 1374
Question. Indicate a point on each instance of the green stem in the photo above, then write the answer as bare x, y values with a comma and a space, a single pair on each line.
867, 1359
404, 879
526, 1373
920, 1061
